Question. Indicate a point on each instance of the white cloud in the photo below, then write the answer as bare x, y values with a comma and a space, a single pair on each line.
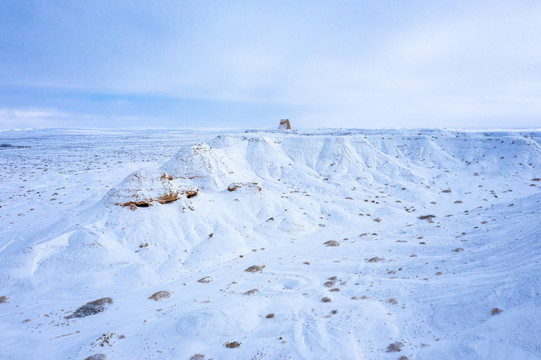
391, 61
30, 118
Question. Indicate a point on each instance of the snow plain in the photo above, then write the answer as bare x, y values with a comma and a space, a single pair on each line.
370, 244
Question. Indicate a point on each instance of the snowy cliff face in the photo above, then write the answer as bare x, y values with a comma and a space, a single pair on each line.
408, 234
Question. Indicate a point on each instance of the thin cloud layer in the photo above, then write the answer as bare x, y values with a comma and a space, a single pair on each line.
351, 64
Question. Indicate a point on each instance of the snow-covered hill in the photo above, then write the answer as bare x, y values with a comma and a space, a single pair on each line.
362, 244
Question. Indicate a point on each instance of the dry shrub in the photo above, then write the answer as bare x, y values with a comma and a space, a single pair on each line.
232, 345
3, 300
205, 280
392, 301
427, 217
375, 259
197, 357
160, 295
326, 299
446, 191
496, 311
270, 316
395, 347
329, 284
458, 250
251, 292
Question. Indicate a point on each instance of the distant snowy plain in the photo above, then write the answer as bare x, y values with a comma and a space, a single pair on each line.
363, 244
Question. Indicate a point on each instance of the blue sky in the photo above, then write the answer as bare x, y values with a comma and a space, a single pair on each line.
179, 64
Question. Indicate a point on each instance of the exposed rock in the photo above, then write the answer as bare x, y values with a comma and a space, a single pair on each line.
9, 146
91, 308
145, 187
232, 345
235, 186
197, 357
255, 268
97, 357
284, 124
160, 295
331, 243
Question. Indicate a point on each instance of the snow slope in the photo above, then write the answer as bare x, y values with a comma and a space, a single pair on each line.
350, 262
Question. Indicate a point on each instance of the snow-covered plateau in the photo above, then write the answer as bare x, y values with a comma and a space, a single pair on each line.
327, 244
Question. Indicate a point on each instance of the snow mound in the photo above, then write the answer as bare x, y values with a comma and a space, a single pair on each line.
371, 242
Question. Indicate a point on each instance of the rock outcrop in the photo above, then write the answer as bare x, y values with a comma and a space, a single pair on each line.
146, 187
284, 124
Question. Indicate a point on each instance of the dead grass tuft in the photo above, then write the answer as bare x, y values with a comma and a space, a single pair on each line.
197, 357
375, 259
270, 316
4, 300
160, 295
326, 299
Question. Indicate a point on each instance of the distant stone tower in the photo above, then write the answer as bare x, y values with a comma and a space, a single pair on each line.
284, 125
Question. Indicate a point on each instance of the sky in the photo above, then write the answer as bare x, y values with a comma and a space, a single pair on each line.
247, 64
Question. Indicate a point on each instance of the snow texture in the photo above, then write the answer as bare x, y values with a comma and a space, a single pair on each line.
328, 244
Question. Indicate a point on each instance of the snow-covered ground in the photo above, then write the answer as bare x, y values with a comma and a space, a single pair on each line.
362, 244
